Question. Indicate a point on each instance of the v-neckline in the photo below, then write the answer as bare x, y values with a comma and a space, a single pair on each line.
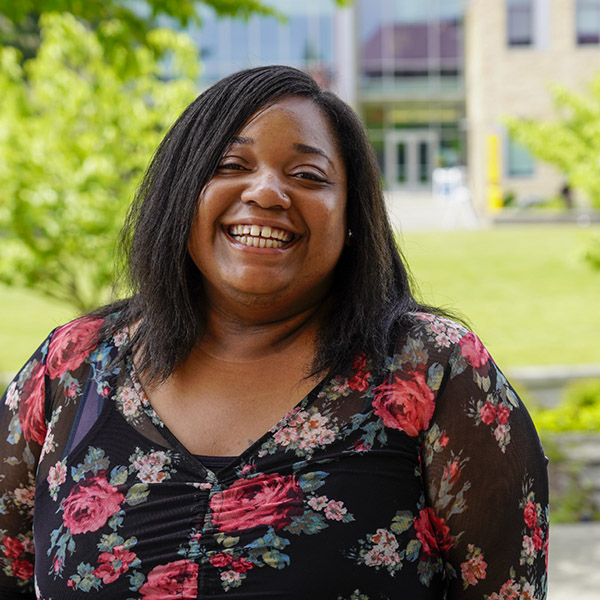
306, 401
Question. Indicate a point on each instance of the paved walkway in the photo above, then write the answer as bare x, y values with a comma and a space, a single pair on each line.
420, 211
574, 564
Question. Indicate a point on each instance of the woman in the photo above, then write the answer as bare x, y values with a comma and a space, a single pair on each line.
271, 413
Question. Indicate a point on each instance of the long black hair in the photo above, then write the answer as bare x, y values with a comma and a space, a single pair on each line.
371, 291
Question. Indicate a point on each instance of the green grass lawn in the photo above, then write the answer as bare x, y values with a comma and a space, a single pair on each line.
525, 290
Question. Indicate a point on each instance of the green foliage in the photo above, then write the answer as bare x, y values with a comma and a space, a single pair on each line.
592, 253
579, 410
572, 141
75, 137
121, 24
571, 499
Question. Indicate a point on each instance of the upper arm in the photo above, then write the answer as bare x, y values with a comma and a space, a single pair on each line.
22, 435
486, 482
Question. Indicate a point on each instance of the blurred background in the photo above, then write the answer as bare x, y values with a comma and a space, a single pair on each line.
485, 118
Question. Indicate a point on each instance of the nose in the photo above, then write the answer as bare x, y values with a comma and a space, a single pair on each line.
267, 190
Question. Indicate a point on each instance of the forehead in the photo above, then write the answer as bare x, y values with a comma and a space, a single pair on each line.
296, 119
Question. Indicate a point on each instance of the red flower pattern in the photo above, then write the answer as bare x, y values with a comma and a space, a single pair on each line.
114, 564
70, 345
473, 350
12, 547
359, 382
221, 559
488, 413
21, 568
530, 514
433, 533
407, 403
264, 500
174, 581
90, 504
31, 408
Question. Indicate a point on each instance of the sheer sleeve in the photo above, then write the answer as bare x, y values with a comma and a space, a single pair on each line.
486, 483
22, 436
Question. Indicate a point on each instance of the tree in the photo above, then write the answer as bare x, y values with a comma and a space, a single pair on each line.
120, 24
571, 142
75, 138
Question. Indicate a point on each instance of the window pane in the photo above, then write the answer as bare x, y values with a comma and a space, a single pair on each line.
298, 38
588, 22
519, 23
520, 161
269, 40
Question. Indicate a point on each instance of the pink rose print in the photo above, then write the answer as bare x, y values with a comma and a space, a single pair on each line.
31, 408
241, 565
114, 564
263, 500
406, 404
502, 414
12, 547
488, 413
21, 568
70, 345
474, 568
360, 380
433, 533
473, 350
90, 504
452, 472
538, 542
530, 514
221, 559
174, 581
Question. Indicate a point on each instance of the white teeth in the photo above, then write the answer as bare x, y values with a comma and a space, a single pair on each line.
261, 236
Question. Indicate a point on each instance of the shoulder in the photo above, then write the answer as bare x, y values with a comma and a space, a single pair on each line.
80, 342
440, 338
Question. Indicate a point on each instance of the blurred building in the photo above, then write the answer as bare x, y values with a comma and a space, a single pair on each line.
432, 79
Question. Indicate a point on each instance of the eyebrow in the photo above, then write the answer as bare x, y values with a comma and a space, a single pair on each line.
302, 148
305, 149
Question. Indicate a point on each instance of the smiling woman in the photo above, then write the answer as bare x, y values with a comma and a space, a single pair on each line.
271, 413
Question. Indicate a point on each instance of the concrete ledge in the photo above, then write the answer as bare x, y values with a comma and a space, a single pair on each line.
582, 217
546, 384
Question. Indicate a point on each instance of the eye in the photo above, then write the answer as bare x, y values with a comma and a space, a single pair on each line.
230, 166
311, 176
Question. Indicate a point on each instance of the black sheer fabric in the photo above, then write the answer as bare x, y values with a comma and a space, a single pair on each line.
428, 482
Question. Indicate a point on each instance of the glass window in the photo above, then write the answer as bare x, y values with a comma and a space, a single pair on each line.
520, 161
520, 22
587, 22
269, 40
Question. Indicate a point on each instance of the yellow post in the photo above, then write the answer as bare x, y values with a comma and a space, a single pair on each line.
494, 171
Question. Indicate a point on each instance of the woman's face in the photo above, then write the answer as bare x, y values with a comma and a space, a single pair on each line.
271, 223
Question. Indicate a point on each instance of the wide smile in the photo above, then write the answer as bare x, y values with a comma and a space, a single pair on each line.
261, 236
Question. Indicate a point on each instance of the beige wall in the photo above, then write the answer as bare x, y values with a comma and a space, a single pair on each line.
503, 80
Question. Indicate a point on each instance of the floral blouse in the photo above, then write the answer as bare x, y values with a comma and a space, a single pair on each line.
426, 482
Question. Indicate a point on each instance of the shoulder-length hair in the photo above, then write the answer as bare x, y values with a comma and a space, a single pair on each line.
371, 292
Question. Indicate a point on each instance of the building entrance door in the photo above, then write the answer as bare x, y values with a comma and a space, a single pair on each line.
410, 158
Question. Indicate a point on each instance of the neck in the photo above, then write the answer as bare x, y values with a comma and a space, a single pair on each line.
257, 337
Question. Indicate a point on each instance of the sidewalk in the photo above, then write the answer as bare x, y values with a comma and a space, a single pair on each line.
420, 211
574, 563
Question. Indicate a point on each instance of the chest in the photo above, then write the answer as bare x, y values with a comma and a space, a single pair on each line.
310, 497
220, 410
